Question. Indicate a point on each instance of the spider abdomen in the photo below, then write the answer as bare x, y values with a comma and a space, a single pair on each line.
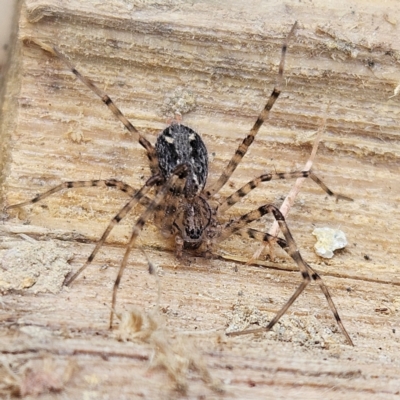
177, 145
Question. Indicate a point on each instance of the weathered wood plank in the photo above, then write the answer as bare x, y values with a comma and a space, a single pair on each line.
224, 56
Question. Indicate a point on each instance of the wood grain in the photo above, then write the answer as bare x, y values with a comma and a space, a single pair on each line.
222, 58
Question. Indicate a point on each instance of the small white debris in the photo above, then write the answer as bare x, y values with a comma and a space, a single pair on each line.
329, 240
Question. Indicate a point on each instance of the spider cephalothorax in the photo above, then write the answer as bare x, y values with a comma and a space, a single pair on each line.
181, 206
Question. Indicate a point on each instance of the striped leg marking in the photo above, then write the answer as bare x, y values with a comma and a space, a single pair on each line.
178, 175
116, 220
106, 99
78, 184
248, 140
306, 271
248, 187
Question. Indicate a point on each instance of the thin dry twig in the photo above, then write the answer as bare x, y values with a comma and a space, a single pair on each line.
290, 198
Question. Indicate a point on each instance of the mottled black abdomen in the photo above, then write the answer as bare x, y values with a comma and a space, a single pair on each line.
177, 145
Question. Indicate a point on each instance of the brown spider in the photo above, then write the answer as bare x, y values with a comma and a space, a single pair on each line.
182, 206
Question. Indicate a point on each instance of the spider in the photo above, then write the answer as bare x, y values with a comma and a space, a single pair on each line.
182, 206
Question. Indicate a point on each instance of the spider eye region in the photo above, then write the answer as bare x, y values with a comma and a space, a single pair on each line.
178, 145
194, 224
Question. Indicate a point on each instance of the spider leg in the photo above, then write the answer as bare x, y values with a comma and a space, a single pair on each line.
306, 271
248, 140
248, 187
165, 215
118, 217
235, 225
326, 189
151, 154
177, 175
165, 212
78, 184
261, 236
